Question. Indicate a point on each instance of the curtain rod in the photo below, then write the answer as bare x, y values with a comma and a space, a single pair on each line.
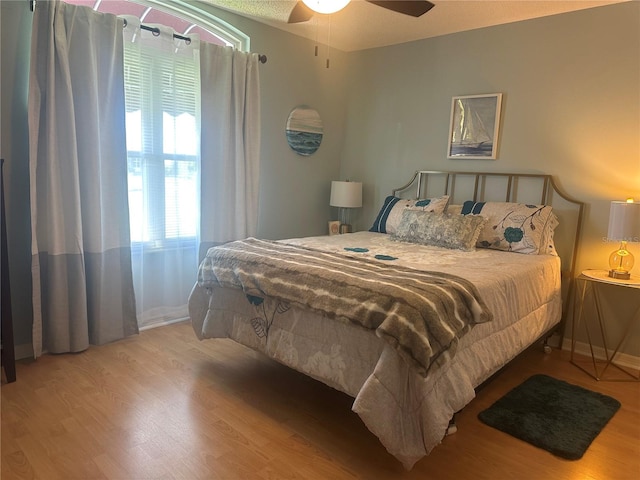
156, 31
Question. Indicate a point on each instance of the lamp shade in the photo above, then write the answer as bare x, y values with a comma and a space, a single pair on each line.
346, 194
624, 221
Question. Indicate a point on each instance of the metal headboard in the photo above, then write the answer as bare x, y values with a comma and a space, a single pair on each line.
510, 187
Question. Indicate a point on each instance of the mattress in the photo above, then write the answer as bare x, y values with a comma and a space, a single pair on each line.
408, 412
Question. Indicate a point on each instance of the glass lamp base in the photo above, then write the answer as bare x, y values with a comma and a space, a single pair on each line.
621, 262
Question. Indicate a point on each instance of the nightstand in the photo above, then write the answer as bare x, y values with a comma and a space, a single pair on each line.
589, 285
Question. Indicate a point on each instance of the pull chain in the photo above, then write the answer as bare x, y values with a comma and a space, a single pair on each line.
328, 41
315, 21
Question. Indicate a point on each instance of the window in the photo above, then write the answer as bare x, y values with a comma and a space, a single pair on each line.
161, 122
161, 97
162, 109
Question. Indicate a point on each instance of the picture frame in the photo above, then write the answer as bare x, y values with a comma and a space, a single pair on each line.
334, 227
474, 126
304, 130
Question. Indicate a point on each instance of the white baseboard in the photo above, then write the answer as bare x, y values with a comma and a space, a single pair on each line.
162, 324
23, 351
622, 359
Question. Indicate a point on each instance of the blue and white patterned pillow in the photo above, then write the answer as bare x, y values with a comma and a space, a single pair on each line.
513, 227
440, 230
390, 214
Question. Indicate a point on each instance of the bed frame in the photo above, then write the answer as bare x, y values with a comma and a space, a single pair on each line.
460, 186
511, 187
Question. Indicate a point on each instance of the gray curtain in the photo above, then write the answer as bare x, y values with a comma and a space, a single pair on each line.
81, 259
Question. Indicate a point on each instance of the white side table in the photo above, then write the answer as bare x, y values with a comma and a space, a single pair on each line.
589, 283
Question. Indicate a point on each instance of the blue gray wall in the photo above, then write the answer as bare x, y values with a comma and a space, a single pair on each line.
571, 108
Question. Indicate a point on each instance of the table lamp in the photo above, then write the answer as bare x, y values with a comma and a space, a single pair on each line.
345, 196
624, 225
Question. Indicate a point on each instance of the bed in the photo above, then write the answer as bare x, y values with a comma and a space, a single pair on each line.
410, 317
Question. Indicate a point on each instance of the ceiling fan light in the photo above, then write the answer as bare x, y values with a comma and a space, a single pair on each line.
326, 6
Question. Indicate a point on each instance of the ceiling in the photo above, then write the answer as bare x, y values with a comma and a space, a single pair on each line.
361, 25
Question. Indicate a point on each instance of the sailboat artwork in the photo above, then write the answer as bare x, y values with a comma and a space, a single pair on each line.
474, 126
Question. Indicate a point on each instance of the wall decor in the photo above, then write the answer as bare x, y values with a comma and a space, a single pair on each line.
304, 130
474, 125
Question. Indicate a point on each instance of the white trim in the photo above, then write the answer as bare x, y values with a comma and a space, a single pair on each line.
622, 359
25, 350
163, 324
204, 19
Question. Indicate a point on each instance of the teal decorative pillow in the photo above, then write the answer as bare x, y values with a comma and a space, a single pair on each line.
513, 227
390, 214
440, 230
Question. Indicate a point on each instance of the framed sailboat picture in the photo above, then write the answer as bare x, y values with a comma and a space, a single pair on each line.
474, 125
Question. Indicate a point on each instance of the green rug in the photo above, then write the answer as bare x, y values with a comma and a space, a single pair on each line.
552, 414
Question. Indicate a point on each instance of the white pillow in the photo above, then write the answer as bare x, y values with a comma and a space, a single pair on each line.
514, 227
454, 209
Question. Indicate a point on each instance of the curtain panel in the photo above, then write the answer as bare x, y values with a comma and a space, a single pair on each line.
230, 145
81, 260
162, 97
225, 139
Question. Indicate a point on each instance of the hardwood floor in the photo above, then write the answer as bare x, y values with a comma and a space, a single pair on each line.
165, 405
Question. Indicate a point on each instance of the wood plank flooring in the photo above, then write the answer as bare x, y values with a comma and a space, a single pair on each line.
164, 405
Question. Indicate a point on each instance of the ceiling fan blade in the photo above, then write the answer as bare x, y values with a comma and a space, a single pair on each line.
415, 8
300, 13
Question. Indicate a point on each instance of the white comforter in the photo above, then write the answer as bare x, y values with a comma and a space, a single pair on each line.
408, 413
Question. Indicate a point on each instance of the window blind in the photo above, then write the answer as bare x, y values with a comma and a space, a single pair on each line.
162, 121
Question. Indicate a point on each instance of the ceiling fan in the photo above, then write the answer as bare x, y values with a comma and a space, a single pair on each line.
305, 9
